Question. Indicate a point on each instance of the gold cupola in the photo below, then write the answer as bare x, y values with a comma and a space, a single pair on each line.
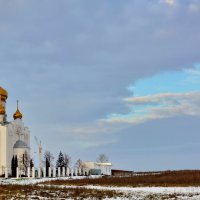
3, 94
17, 114
2, 110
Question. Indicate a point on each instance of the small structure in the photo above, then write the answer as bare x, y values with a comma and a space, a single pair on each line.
96, 168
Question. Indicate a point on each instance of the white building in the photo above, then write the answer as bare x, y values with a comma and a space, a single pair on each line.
14, 136
104, 167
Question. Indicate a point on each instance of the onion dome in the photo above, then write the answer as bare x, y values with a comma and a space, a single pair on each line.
2, 110
20, 144
3, 94
17, 114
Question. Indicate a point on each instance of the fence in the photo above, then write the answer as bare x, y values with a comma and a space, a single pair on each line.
51, 172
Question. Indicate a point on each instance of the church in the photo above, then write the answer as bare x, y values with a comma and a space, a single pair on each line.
14, 136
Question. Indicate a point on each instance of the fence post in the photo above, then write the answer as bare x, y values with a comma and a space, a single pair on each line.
28, 169
39, 172
17, 172
80, 171
49, 172
58, 171
44, 172
76, 171
67, 171
72, 172
54, 172
63, 171
33, 172
6, 172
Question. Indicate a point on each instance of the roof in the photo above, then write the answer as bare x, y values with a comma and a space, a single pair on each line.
104, 163
20, 144
121, 171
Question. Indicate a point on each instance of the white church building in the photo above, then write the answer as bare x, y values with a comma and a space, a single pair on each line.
14, 136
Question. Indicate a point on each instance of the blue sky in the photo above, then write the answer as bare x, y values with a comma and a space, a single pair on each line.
114, 77
186, 80
163, 95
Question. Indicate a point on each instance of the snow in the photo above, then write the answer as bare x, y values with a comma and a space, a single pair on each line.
183, 193
27, 181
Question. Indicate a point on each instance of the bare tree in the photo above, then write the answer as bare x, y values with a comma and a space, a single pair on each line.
102, 158
48, 157
67, 160
24, 163
78, 163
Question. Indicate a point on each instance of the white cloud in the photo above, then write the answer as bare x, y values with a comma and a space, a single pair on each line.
91, 129
158, 106
170, 2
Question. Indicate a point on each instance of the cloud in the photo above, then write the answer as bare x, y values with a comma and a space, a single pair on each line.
170, 2
88, 129
164, 95
73, 70
158, 106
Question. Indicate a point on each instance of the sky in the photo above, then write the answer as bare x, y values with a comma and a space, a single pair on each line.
110, 76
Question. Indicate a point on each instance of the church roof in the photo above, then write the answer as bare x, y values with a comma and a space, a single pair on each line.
17, 114
4, 94
20, 144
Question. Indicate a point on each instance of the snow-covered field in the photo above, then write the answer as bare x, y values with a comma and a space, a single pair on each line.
136, 193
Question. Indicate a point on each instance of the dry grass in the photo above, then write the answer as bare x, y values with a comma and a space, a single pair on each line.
55, 190
22, 192
167, 178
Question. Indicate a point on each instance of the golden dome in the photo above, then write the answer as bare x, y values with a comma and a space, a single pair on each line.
17, 114
2, 110
3, 94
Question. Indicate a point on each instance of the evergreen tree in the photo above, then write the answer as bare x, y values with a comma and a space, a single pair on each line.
16, 161
31, 163
15, 164
13, 167
60, 162
47, 167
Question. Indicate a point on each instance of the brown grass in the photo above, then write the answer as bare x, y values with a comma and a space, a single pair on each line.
167, 178
22, 192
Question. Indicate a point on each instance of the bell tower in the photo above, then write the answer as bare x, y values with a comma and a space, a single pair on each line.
3, 98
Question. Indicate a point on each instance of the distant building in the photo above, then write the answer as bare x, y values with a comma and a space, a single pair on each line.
123, 173
98, 168
14, 136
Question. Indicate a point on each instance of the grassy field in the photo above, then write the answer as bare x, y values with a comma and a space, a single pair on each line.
62, 189
24, 192
166, 179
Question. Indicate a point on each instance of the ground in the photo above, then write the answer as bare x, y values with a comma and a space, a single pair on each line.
60, 188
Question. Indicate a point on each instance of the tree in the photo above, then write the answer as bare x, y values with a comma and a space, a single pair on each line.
13, 167
102, 158
79, 163
31, 163
60, 161
16, 161
48, 156
24, 162
67, 160
47, 165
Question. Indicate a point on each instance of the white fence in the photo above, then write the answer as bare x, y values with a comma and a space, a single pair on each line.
51, 172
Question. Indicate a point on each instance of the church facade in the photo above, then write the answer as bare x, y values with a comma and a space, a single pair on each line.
14, 136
